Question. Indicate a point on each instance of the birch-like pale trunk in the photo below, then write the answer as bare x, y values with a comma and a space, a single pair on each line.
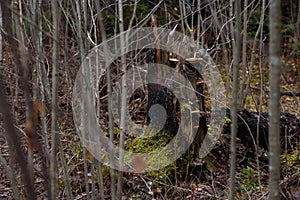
110, 116
234, 105
200, 26
244, 55
259, 32
262, 85
274, 102
297, 32
231, 24
42, 87
123, 101
82, 47
110, 124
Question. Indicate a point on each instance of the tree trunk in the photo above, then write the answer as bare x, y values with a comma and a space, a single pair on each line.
234, 106
54, 127
274, 126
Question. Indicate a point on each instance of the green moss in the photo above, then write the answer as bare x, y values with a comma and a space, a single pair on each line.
290, 162
149, 144
227, 120
248, 180
173, 173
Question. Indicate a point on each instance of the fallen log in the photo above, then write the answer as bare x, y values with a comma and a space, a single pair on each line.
253, 129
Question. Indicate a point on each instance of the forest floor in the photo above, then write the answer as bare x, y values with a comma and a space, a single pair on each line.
182, 179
